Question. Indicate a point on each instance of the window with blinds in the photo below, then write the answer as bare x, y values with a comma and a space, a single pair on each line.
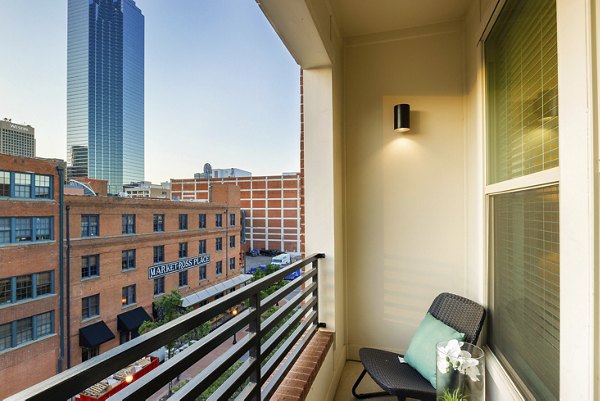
522, 83
525, 326
522, 139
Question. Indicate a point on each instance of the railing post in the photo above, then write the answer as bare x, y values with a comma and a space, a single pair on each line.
254, 327
315, 279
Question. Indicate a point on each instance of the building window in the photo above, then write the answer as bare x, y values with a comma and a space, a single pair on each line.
42, 186
219, 244
128, 221
5, 230
89, 353
24, 287
90, 306
231, 263
89, 225
5, 336
219, 268
159, 253
90, 266
4, 184
159, 285
183, 278
128, 259
522, 127
183, 249
22, 185
23, 229
44, 324
202, 273
202, 220
128, 295
159, 222
183, 221
25, 185
24, 331
43, 230
232, 219
43, 284
5, 291
232, 241
202, 246
219, 220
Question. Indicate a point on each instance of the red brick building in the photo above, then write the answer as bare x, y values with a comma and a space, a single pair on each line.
123, 253
272, 205
29, 271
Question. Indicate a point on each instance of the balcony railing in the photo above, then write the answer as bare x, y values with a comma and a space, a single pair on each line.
257, 378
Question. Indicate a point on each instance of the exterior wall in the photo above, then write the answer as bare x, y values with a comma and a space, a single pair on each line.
111, 242
34, 361
272, 204
406, 229
17, 139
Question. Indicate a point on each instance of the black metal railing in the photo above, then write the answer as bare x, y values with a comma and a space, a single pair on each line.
290, 329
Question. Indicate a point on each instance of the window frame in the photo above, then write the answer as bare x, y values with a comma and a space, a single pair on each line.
128, 295
158, 254
202, 220
202, 247
128, 222
183, 221
158, 223
90, 274
218, 244
159, 286
89, 230
128, 259
88, 304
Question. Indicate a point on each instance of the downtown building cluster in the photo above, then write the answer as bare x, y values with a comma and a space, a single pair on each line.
115, 256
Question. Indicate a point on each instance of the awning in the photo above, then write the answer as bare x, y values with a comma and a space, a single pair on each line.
206, 293
95, 334
131, 320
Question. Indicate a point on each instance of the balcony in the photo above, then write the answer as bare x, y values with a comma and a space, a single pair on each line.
262, 358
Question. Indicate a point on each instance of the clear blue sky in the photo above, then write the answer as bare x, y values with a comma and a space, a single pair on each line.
220, 87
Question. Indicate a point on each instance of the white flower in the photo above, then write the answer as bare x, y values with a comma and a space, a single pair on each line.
451, 355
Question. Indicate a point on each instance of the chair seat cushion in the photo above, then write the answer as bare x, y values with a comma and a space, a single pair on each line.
396, 378
421, 353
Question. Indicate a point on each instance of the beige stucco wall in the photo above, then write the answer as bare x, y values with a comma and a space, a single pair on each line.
405, 193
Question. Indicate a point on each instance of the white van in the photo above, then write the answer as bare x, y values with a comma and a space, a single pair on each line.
281, 259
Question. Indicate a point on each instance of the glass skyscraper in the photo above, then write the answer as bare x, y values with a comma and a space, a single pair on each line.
105, 91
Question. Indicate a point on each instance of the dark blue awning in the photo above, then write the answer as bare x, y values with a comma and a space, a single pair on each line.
95, 334
131, 320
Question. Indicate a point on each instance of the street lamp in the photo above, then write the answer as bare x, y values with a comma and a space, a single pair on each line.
234, 312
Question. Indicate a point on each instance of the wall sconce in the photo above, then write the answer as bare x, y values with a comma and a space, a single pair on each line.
402, 117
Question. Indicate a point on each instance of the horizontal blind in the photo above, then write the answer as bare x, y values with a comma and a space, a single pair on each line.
525, 317
522, 88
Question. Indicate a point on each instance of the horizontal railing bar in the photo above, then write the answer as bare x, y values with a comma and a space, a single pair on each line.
157, 378
308, 329
276, 317
199, 383
287, 289
72, 381
247, 393
274, 340
226, 390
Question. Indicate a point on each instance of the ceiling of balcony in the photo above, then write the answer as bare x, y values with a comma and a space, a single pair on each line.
360, 17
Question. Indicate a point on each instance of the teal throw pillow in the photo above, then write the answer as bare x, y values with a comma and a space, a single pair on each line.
421, 353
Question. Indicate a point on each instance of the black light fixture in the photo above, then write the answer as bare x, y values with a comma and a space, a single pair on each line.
402, 117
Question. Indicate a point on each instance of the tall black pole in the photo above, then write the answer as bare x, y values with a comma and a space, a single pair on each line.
61, 267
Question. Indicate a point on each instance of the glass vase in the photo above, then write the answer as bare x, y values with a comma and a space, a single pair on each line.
460, 372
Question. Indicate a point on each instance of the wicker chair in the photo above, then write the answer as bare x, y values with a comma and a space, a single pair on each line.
400, 379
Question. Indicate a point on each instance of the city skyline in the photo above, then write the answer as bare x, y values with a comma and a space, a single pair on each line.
220, 86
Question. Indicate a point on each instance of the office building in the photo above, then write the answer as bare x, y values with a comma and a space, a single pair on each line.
29, 273
145, 189
105, 91
272, 206
17, 139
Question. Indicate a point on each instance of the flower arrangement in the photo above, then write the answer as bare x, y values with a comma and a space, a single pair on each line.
455, 364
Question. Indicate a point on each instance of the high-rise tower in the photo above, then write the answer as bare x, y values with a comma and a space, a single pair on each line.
105, 91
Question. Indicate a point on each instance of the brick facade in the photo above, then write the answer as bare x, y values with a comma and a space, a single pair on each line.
272, 205
26, 258
111, 242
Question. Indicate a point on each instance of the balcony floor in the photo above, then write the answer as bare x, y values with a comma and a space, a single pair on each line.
351, 371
